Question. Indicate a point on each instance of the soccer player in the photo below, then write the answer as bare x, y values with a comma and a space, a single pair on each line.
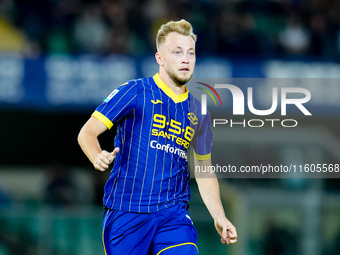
147, 194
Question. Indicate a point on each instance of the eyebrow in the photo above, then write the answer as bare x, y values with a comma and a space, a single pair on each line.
178, 47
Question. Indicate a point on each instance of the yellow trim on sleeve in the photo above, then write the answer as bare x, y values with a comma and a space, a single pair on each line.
106, 121
202, 157
173, 246
169, 92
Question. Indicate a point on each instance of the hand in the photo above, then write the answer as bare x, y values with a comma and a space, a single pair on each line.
226, 230
104, 159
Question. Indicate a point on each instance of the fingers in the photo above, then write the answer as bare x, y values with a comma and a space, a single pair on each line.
232, 235
228, 232
104, 159
224, 236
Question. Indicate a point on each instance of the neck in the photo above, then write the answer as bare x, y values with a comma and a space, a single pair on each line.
177, 89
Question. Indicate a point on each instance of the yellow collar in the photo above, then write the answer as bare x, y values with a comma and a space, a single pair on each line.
169, 92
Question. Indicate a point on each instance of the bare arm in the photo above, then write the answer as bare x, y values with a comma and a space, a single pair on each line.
210, 193
88, 141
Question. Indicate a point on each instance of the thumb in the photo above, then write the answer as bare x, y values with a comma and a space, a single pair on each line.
115, 151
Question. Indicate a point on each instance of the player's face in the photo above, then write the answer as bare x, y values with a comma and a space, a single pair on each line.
178, 57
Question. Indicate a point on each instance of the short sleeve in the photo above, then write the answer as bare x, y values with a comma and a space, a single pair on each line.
202, 141
117, 105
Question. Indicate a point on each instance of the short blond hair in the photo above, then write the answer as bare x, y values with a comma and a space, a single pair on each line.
182, 27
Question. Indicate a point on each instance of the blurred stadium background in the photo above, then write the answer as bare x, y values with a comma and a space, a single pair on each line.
60, 58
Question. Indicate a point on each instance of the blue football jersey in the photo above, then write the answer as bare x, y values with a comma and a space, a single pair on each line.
155, 128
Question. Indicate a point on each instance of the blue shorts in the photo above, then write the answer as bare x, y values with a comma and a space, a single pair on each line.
167, 232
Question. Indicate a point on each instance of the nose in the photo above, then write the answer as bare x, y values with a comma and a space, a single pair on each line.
185, 59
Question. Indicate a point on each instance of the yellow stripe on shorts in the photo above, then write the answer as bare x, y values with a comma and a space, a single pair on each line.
173, 246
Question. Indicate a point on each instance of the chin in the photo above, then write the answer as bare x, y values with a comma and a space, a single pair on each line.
179, 79
182, 80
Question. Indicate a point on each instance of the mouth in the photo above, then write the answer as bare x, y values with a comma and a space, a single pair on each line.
184, 69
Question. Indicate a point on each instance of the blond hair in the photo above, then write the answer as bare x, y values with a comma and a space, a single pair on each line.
182, 27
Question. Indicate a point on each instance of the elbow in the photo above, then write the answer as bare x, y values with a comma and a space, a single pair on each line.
80, 137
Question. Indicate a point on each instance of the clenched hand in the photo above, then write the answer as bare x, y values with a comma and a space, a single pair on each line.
104, 159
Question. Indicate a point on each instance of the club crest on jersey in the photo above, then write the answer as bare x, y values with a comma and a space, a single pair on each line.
113, 93
192, 117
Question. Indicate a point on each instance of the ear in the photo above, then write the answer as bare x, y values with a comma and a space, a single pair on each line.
159, 59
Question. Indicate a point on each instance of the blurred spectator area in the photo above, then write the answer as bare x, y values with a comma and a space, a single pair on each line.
45, 98
263, 28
